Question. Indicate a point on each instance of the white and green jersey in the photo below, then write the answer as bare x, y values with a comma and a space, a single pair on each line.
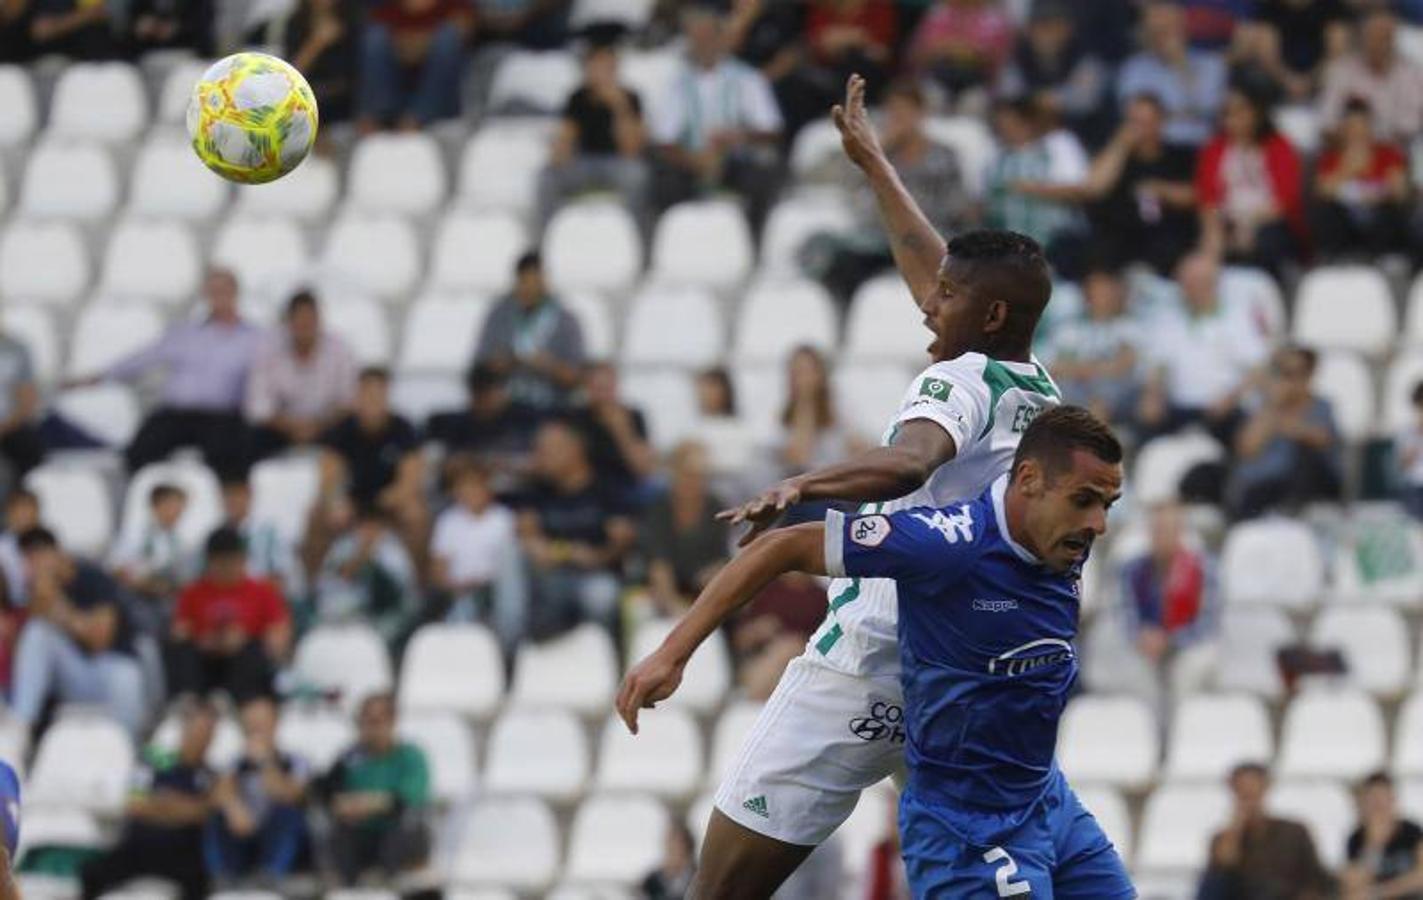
985, 405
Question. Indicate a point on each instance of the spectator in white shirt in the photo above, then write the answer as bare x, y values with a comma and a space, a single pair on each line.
1377, 74
474, 562
1408, 451
301, 382
1096, 359
154, 562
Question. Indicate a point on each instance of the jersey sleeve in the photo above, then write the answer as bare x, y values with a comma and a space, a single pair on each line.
953, 396
918, 544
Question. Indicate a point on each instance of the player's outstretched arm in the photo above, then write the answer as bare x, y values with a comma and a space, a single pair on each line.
797, 549
917, 248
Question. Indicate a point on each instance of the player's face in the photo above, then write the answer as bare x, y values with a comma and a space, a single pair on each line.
1066, 513
952, 315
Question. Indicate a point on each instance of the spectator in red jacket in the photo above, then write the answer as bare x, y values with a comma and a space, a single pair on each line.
1249, 188
1361, 186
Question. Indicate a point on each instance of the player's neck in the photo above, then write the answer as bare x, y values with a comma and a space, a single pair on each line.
1015, 518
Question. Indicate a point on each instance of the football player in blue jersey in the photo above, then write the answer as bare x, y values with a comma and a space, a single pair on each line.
988, 602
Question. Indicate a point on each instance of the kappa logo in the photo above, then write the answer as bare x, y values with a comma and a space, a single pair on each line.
870, 531
935, 388
758, 806
994, 606
886, 720
953, 526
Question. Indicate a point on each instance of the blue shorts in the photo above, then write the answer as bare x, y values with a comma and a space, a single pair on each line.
1058, 853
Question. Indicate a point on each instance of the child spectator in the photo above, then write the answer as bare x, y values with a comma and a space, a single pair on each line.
1408, 451
473, 562
154, 562
368, 576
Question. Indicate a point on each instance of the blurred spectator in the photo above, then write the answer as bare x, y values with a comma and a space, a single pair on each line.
1190, 83
1249, 185
725, 437
600, 143
772, 37
270, 554
1035, 177
684, 542
301, 381
412, 56
15, 44
154, 561
473, 566
961, 44
1204, 358
1287, 453
1258, 855
847, 37
320, 40
171, 25
1211, 24
205, 364
533, 339
1386, 850
814, 436
230, 630
1141, 192
1096, 360
492, 427
1107, 28
1051, 65
1408, 451
76, 645
574, 531
772, 630
614, 433
1362, 190
20, 441
163, 818
1376, 73
672, 880
259, 825
1303, 35
82, 29
367, 576
377, 797
22, 512
535, 24
716, 123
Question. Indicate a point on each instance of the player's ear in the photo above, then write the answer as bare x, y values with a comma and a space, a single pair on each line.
995, 317
1029, 477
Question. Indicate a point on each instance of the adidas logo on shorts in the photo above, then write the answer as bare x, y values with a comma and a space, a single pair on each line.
757, 805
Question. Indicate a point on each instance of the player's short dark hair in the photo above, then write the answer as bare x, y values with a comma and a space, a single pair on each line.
225, 541
1059, 432
994, 264
1376, 778
37, 538
529, 259
374, 373
302, 299
164, 491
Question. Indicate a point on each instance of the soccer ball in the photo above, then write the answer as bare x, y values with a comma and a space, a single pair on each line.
252, 118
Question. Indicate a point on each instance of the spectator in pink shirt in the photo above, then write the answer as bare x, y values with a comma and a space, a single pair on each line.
962, 43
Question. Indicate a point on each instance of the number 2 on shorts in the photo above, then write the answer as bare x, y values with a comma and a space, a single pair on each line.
1006, 886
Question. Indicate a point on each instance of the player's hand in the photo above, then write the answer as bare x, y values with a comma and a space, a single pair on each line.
857, 134
763, 511
646, 684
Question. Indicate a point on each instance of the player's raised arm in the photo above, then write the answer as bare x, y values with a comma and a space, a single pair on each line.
917, 248
797, 549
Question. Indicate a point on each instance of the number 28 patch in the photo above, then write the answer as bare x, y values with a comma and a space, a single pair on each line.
870, 531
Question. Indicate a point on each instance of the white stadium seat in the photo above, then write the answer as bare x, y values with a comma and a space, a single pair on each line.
761, 399
318, 734
1374, 641
1408, 737
543, 753
177, 90
778, 316
441, 333
592, 245
19, 114
476, 252
794, 221
647, 72
1272, 561
616, 839
533, 81
1413, 314
970, 140
1299, 122
1410, 795
1254, 294
1403, 375
732, 728
1344, 380
1212, 733
1110, 810
1324, 807
75, 503
885, 325
1378, 558
105, 333
349, 660
456, 668
1177, 824
664, 758
1250, 637
84, 761
448, 746
596, 321
362, 324
707, 677
418, 396
150, 262
1164, 461
634, 14
283, 491
307, 193
203, 512
33, 326
42, 262
576, 671
169, 181
223, 752
380, 255
705, 243
1345, 308
400, 173
500, 165
669, 399
509, 841
69, 181
1108, 739
869, 395
590, 892
668, 326
268, 255
58, 826
98, 102
1331, 734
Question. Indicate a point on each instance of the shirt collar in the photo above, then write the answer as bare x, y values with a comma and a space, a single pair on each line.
999, 489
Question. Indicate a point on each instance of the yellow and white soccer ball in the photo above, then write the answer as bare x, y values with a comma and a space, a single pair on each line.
252, 118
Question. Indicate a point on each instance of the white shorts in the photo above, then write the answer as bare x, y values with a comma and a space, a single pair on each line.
822, 738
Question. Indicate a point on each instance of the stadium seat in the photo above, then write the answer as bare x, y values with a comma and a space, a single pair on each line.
1374, 641
1255, 294
1164, 461
268, 255
493, 893
1249, 639
452, 668
69, 181
150, 262
509, 841
75, 503
869, 395
1299, 122
306, 194
1410, 795
1344, 380
223, 752
592, 245
1413, 314
971, 141
362, 323
42, 262
794, 221
664, 758
105, 333
476, 252
777, 316
517, 150
1378, 558
668, 397
576, 671
884, 324
283, 491
418, 396
647, 72
632, 14
33, 326
703, 243
1331, 734
441, 333
170, 183
397, 173
98, 102
58, 826
1112, 740
1177, 824
109, 412
1403, 375
380, 255
732, 728
177, 90
595, 319
761, 400
1211, 733
448, 746
1272, 561
1324, 807
537, 752
318, 734
1408, 737
1110, 810
528, 81
349, 660
616, 839
707, 677
204, 509
84, 761
1367, 324
590, 892
677, 327
18, 113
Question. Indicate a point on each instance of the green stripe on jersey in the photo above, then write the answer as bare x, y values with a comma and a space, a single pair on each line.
1001, 379
829, 638
849, 595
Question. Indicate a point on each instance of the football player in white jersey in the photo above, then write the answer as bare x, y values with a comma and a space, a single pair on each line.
833, 727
